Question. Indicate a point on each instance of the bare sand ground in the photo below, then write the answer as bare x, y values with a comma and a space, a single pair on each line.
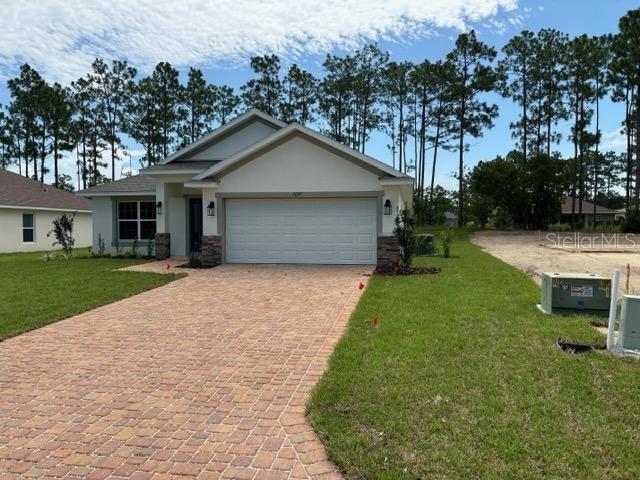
537, 252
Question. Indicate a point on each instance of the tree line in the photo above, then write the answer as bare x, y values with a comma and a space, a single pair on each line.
422, 108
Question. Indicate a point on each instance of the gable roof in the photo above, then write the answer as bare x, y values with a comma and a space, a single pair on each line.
587, 207
19, 191
134, 185
180, 166
295, 129
223, 130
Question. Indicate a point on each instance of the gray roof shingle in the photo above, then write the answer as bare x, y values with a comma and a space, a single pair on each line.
178, 165
133, 184
19, 191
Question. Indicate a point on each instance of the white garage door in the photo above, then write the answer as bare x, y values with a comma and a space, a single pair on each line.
310, 230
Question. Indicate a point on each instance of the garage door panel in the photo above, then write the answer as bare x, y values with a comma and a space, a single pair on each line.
322, 230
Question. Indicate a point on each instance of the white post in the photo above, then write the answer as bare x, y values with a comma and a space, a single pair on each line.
613, 309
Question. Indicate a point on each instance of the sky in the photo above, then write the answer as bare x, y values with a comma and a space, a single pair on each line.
60, 38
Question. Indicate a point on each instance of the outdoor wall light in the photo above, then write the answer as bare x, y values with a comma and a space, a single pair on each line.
211, 209
387, 207
159, 208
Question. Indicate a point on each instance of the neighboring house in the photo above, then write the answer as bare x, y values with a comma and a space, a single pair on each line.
257, 190
450, 219
27, 208
604, 215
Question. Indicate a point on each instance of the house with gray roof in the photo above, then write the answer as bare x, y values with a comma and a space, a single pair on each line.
27, 208
257, 190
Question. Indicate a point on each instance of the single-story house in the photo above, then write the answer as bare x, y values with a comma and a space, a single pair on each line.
258, 190
27, 208
604, 215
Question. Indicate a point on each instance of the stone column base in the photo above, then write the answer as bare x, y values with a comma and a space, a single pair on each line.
212, 250
388, 250
163, 246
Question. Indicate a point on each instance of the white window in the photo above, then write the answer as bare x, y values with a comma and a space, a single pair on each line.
28, 228
136, 220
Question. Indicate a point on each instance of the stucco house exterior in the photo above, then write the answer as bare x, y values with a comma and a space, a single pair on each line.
257, 190
27, 208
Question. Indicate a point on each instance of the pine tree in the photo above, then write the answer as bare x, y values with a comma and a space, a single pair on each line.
225, 103
198, 108
264, 92
167, 93
112, 88
517, 82
300, 96
471, 74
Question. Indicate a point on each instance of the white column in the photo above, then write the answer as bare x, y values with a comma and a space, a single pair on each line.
209, 223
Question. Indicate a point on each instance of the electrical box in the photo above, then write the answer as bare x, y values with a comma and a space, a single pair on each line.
630, 322
581, 293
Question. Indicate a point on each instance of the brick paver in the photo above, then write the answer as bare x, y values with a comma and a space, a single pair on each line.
206, 377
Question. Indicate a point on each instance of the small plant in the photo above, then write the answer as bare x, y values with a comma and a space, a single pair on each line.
47, 257
149, 248
194, 260
117, 245
446, 237
63, 233
405, 233
134, 248
100, 245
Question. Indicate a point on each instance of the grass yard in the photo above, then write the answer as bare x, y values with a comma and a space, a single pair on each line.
462, 380
34, 293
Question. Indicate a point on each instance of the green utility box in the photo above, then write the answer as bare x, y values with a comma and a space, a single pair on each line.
581, 293
630, 322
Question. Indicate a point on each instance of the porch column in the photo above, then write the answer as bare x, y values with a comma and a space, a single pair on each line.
212, 242
163, 236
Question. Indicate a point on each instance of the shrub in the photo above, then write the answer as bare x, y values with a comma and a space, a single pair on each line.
405, 233
194, 260
149, 249
502, 220
63, 233
632, 221
559, 227
446, 237
47, 257
100, 245
134, 248
608, 228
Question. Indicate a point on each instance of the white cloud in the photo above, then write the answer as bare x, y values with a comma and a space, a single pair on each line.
62, 37
614, 140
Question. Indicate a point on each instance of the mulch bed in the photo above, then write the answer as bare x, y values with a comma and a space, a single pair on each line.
195, 267
389, 271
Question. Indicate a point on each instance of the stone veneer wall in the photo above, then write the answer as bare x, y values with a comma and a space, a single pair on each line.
212, 250
388, 250
163, 246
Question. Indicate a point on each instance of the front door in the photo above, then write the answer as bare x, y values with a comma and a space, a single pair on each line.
195, 225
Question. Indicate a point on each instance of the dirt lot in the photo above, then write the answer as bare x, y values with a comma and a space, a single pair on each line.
534, 252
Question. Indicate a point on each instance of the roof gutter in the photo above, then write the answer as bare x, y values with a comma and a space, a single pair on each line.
116, 194
47, 209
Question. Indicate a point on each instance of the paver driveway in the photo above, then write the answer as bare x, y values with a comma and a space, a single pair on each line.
205, 377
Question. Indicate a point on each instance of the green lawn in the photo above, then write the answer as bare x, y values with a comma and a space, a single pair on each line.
462, 380
34, 293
